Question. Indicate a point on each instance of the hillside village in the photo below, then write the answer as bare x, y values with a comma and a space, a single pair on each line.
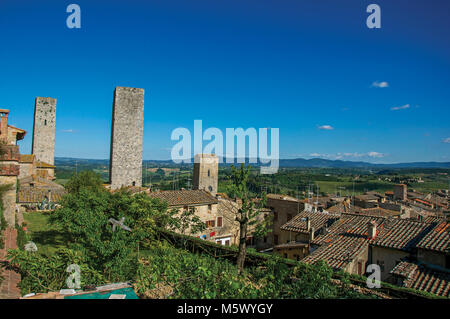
403, 231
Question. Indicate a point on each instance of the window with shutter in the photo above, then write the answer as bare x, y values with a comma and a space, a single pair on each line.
219, 221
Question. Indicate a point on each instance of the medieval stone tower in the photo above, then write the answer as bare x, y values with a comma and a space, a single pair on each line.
126, 137
206, 172
43, 146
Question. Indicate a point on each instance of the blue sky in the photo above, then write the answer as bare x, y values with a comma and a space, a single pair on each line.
302, 66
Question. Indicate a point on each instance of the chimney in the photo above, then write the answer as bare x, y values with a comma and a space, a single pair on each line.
311, 234
371, 230
308, 223
4, 124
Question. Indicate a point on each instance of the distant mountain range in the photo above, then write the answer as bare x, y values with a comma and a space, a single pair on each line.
291, 163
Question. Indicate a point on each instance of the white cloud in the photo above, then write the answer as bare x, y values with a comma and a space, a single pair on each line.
377, 84
317, 155
325, 127
446, 140
68, 131
375, 154
403, 107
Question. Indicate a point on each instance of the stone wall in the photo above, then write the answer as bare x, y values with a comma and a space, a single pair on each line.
206, 173
9, 199
44, 130
26, 169
126, 137
283, 211
387, 259
9, 170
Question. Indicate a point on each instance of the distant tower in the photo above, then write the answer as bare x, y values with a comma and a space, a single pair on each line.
206, 172
125, 166
400, 192
44, 130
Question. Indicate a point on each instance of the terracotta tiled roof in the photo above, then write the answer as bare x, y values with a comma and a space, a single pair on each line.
33, 195
339, 252
39, 183
292, 245
401, 234
378, 211
432, 219
185, 197
44, 165
437, 239
318, 220
350, 225
282, 197
343, 241
423, 278
366, 197
26, 158
374, 211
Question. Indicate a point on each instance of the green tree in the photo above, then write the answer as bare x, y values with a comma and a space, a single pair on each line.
249, 211
187, 220
87, 180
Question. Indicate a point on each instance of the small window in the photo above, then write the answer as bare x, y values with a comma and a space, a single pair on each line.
209, 208
219, 221
227, 242
209, 173
134, 183
45, 122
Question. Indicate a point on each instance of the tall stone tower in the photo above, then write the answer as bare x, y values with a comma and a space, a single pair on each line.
125, 166
400, 192
43, 146
206, 172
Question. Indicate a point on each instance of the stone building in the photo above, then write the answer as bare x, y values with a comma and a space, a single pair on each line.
206, 172
43, 146
284, 208
29, 166
38, 193
126, 137
217, 214
400, 192
9, 164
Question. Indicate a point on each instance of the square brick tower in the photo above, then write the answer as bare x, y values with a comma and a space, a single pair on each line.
125, 166
206, 173
43, 146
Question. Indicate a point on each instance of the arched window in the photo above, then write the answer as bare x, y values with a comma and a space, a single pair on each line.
209, 173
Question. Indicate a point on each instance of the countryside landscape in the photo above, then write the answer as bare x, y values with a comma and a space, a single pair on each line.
225, 158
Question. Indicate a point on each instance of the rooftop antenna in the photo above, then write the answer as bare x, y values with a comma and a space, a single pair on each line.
317, 197
146, 173
353, 193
